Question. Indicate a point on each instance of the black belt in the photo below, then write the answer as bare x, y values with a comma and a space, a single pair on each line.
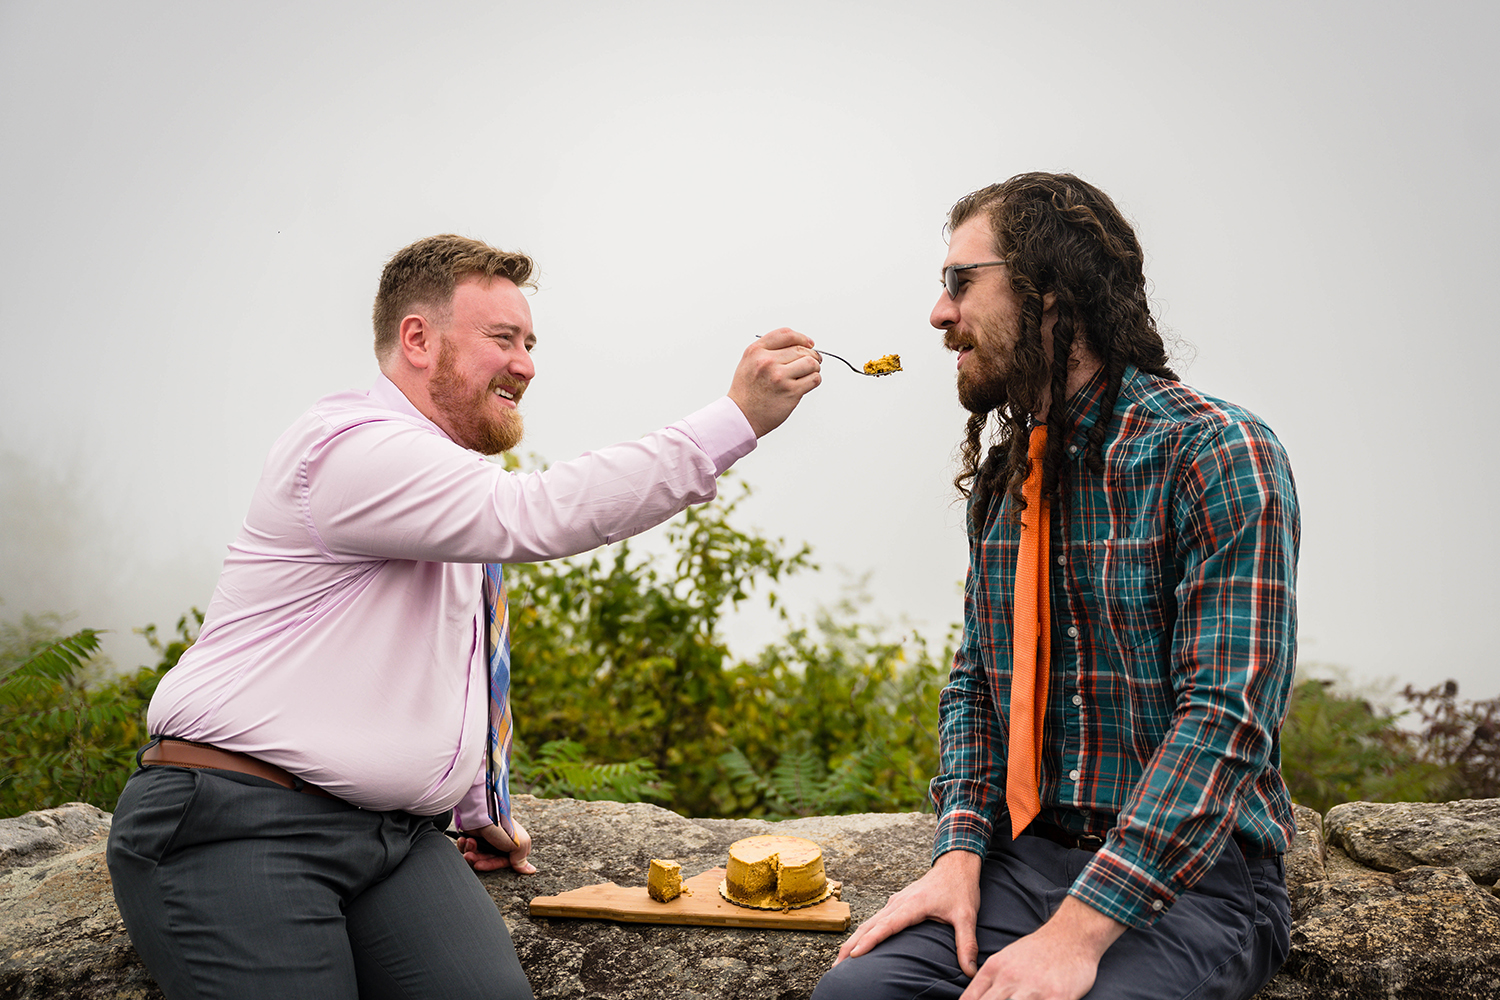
1076, 841
1091, 842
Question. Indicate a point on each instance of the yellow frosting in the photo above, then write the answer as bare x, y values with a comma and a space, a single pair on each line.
774, 871
664, 880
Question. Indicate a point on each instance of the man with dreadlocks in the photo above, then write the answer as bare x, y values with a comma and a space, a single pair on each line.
1111, 813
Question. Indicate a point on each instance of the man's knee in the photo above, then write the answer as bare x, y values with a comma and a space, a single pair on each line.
918, 961
844, 981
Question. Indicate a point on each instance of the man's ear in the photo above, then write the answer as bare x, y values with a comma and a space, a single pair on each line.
417, 341
1049, 302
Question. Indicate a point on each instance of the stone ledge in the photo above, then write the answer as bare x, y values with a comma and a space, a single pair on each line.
1425, 931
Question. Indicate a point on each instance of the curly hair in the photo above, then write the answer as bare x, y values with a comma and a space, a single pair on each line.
1064, 236
425, 273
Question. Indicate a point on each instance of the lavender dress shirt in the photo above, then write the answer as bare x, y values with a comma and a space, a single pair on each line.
344, 641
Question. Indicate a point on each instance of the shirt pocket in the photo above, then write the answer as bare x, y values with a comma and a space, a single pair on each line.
1135, 604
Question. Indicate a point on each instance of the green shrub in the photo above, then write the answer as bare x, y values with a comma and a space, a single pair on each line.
625, 685
1460, 738
1339, 748
69, 729
625, 659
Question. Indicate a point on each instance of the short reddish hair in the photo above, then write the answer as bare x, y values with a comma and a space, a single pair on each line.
425, 273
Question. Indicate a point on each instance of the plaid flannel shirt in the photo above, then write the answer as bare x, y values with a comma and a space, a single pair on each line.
1173, 583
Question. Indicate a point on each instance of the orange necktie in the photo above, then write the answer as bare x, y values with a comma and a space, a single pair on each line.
1032, 645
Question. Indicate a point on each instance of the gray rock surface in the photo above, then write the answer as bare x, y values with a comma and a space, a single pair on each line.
61, 936
37, 835
1426, 931
1395, 911
1307, 861
582, 843
1395, 836
1423, 932
60, 933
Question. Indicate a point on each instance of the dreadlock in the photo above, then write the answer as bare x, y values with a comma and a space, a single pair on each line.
1064, 236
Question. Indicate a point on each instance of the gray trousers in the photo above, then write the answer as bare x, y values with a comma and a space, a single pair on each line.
1222, 940
234, 887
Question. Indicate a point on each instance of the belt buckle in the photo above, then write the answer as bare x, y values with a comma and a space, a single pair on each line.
1089, 841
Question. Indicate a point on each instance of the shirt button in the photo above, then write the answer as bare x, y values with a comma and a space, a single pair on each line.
1072, 631
1074, 775
1061, 560
1156, 904
1072, 449
1078, 699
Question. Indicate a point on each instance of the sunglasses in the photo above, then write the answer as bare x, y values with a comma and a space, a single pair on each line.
950, 274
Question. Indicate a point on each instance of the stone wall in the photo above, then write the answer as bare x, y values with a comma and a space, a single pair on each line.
1389, 901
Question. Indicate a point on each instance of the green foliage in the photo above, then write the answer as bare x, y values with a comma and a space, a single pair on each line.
1339, 748
55, 740
623, 682
68, 729
624, 659
613, 654
47, 666
1461, 738
168, 653
839, 720
559, 770
800, 783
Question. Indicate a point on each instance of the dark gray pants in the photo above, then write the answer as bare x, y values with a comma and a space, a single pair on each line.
1222, 940
234, 887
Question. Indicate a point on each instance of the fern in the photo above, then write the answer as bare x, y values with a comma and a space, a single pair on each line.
57, 741
747, 780
559, 770
800, 777
801, 785
55, 663
852, 783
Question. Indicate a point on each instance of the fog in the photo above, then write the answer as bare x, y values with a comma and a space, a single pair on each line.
200, 198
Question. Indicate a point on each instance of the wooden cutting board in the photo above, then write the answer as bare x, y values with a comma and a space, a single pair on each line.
705, 906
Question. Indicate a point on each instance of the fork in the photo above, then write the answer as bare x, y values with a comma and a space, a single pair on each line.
852, 368
857, 371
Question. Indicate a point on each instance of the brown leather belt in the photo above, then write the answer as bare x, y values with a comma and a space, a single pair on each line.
182, 753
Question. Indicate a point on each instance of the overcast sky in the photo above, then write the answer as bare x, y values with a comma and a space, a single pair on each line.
199, 199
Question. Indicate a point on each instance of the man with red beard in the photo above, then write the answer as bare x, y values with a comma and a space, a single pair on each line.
1111, 813
346, 697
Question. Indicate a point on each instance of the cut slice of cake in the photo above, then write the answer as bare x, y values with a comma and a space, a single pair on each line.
664, 880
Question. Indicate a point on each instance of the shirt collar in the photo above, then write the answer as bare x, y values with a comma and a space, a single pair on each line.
385, 393
1083, 409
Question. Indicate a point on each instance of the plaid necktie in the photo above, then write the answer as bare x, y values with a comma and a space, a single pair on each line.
1032, 647
497, 645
